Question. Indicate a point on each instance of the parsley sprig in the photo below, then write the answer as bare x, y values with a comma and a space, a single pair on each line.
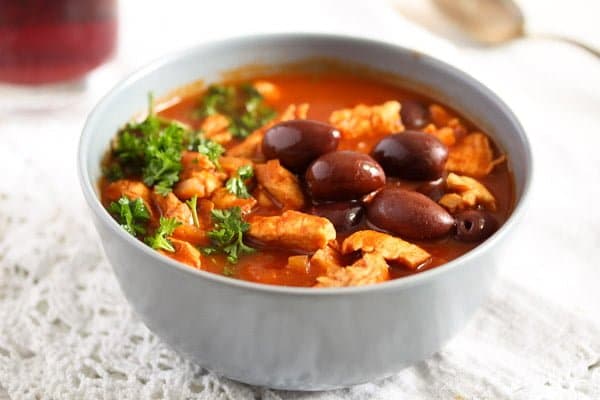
159, 240
243, 105
151, 148
236, 184
210, 149
227, 235
132, 215
193, 204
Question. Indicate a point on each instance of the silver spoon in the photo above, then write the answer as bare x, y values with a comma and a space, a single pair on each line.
493, 22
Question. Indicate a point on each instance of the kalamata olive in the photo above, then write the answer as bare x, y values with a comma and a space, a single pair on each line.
343, 215
298, 142
414, 114
409, 215
343, 175
411, 155
475, 225
433, 189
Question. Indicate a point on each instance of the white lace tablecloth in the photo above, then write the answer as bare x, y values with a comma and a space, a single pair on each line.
66, 332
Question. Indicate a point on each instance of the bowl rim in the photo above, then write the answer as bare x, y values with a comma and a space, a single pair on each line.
104, 217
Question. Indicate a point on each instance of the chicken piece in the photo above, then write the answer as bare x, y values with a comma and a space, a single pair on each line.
204, 210
263, 198
389, 247
453, 202
128, 188
439, 115
201, 184
327, 260
445, 135
473, 156
223, 199
269, 91
468, 194
460, 131
292, 230
370, 269
250, 147
192, 162
281, 184
192, 234
170, 206
184, 253
216, 127
364, 120
230, 165
299, 264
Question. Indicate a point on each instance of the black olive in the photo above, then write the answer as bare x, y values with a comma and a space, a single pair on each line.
475, 225
411, 155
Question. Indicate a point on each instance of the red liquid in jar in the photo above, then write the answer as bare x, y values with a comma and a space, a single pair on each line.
44, 41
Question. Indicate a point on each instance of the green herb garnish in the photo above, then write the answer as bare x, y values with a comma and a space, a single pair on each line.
210, 149
151, 149
132, 215
159, 240
243, 105
236, 184
192, 204
113, 172
228, 233
228, 270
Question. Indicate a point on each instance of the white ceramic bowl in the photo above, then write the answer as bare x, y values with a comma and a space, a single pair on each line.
300, 338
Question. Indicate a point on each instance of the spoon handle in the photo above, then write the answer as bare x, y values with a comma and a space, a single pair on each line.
550, 36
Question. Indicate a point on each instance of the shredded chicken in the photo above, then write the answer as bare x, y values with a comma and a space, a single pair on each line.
192, 162
171, 207
201, 184
327, 260
389, 247
224, 199
292, 230
128, 188
468, 193
445, 135
184, 252
439, 115
263, 198
192, 234
299, 263
473, 156
370, 269
230, 165
364, 120
216, 127
281, 184
269, 91
250, 147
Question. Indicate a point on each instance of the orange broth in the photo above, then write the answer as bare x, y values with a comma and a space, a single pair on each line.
326, 92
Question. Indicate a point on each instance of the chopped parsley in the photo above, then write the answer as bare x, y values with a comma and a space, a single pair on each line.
210, 149
132, 215
159, 240
192, 204
228, 233
151, 149
228, 270
113, 172
243, 105
236, 184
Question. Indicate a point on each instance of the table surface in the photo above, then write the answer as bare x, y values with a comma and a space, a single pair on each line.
67, 332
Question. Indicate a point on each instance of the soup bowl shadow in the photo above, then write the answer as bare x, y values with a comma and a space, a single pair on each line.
301, 338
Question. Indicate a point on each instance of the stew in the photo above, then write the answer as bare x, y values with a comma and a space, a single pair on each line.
307, 179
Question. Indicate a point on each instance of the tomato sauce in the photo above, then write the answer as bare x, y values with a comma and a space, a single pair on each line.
326, 92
